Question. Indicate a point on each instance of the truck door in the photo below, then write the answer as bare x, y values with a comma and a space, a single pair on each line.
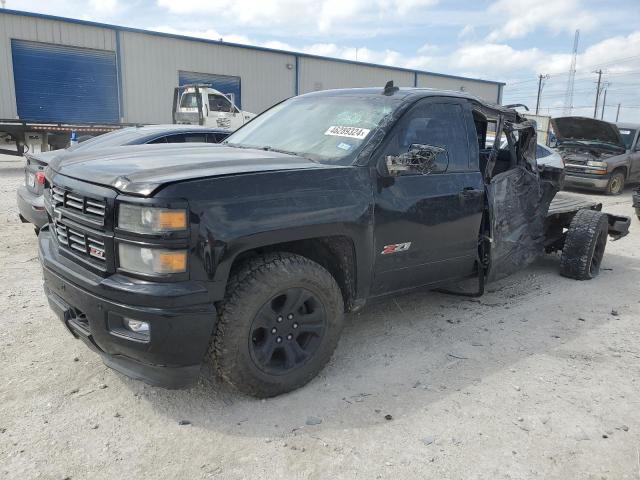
222, 113
634, 160
427, 224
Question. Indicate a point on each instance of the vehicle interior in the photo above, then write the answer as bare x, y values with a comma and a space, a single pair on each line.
506, 156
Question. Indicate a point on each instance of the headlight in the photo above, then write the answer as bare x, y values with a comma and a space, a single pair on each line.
591, 163
141, 219
151, 261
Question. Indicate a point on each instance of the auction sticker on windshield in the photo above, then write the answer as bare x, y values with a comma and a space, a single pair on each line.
350, 132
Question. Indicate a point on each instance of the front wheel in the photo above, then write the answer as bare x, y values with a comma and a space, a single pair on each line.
616, 183
278, 325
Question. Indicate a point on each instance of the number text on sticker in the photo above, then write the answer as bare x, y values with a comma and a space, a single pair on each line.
350, 132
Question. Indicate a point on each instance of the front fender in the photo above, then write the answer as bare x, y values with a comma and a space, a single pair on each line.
239, 213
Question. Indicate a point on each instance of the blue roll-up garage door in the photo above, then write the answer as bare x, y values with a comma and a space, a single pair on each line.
62, 84
226, 84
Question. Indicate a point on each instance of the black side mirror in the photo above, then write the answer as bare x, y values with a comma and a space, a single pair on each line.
419, 160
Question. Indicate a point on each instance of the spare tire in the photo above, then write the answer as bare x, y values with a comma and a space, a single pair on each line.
584, 245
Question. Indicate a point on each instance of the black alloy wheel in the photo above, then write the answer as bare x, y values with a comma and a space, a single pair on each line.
287, 331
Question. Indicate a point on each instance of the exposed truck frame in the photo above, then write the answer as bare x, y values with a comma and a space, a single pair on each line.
46, 136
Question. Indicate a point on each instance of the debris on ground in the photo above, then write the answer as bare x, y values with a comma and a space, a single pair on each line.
313, 421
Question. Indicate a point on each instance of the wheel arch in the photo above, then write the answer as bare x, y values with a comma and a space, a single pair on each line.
621, 168
336, 253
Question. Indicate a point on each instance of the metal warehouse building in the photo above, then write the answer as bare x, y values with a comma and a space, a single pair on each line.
62, 70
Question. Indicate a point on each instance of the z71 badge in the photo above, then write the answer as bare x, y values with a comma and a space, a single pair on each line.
396, 248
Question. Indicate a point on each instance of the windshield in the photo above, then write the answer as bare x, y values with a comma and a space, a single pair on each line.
189, 100
627, 137
111, 139
219, 103
328, 129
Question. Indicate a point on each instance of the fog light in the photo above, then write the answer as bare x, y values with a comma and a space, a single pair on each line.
136, 326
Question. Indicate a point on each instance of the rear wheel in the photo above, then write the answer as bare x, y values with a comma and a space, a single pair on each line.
584, 245
278, 326
616, 183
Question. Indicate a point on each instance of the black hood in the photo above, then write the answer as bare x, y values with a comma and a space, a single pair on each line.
586, 129
141, 169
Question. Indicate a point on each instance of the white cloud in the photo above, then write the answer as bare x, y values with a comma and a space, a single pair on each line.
104, 6
467, 31
302, 16
93, 10
519, 18
209, 34
428, 48
493, 59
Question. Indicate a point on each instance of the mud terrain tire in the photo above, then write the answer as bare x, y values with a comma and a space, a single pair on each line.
266, 298
584, 245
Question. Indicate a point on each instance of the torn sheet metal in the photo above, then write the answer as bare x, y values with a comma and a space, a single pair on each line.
518, 204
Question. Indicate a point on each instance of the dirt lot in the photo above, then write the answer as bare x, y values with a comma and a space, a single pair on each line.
540, 378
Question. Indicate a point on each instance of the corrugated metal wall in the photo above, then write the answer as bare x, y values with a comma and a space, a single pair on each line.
41, 30
149, 66
319, 74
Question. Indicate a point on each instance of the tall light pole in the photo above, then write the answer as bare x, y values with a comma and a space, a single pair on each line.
618, 113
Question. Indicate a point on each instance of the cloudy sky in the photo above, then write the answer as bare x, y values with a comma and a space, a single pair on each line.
507, 40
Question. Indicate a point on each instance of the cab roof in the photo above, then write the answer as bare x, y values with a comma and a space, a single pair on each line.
412, 94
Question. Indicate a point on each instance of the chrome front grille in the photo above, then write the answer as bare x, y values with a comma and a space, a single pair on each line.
87, 208
80, 242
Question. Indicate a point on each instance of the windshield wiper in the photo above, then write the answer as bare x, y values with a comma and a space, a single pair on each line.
277, 150
237, 145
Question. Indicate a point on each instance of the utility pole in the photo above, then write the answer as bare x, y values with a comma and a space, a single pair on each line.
618, 113
595, 108
604, 103
541, 78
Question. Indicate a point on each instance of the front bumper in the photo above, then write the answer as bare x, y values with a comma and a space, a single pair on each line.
585, 180
31, 207
636, 201
93, 308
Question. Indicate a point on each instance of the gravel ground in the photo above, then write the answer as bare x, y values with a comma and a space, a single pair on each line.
539, 378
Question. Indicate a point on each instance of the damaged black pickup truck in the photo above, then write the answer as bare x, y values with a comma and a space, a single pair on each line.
247, 254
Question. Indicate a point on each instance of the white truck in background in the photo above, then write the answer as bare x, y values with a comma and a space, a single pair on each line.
203, 105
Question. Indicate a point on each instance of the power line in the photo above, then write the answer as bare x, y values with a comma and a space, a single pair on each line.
585, 78
585, 69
